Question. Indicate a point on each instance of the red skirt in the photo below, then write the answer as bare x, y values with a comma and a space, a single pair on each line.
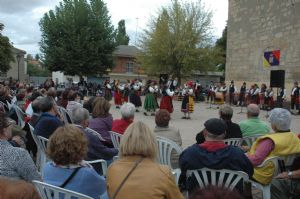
125, 98
118, 98
166, 103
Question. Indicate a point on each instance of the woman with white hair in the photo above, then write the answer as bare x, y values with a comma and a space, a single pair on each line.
282, 142
137, 174
127, 113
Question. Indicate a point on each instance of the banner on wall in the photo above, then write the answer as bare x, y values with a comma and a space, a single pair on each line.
271, 58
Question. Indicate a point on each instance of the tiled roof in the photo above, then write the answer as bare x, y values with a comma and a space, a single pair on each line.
126, 51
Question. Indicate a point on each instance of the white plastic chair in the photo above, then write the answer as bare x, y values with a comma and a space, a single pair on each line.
249, 140
176, 173
289, 159
103, 165
65, 114
233, 141
116, 139
48, 191
42, 144
221, 178
20, 114
38, 155
165, 148
266, 188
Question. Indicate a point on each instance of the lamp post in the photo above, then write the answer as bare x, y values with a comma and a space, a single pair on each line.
19, 55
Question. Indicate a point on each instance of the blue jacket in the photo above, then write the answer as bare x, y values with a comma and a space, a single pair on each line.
46, 125
196, 157
86, 181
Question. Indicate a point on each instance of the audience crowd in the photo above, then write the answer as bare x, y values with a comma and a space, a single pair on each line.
79, 133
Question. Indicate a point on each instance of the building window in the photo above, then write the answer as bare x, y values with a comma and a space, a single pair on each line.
129, 67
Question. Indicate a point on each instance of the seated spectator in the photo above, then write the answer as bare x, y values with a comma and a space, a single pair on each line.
232, 131
96, 149
213, 192
16, 163
213, 154
162, 129
102, 119
145, 177
64, 98
52, 93
73, 103
66, 148
287, 184
48, 121
282, 142
17, 189
21, 94
5, 96
36, 112
29, 111
253, 125
88, 104
127, 112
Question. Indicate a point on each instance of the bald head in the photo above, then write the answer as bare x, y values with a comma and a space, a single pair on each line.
252, 110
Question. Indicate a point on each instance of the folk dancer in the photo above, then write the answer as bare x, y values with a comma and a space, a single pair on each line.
150, 103
262, 92
281, 97
242, 95
134, 96
166, 100
295, 97
232, 92
223, 90
269, 100
118, 96
253, 94
211, 92
126, 91
198, 90
187, 106
107, 90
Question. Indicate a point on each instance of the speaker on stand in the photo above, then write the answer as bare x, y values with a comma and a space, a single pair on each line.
277, 80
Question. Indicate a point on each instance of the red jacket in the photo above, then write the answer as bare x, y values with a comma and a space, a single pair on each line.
120, 125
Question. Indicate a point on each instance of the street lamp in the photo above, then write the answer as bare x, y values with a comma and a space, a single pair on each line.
19, 55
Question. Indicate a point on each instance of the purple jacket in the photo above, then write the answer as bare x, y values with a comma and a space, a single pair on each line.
102, 125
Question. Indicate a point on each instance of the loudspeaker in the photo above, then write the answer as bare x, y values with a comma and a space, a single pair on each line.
277, 78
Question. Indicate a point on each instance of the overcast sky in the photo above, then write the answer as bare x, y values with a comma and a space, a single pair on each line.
21, 17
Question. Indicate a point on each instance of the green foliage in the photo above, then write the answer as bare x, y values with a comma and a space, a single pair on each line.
34, 70
29, 57
221, 45
78, 38
176, 41
120, 34
6, 54
37, 57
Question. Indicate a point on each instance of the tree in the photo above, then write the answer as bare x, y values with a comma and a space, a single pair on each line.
121, 37
6, 54
175, 40
78, 38
221, 46
29, 57
37, 57
34, 70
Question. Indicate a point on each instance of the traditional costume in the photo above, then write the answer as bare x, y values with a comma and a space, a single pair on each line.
232, 92
118, 96
166, 100
134, 97
187, 106
242, 95
150, 103
295, 97
281, 96
211, 92
126, 92
269, 100
253, 94
107, 90
223, 90
262, 92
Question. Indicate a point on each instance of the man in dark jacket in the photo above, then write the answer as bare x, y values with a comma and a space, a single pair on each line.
49, 120
233, 130
96, 148
212, 154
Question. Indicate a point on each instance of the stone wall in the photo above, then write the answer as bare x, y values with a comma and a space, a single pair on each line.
257, 26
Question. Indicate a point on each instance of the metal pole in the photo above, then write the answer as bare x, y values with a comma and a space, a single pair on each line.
18, 59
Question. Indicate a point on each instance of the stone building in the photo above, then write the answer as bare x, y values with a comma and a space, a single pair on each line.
256, 28
18, 68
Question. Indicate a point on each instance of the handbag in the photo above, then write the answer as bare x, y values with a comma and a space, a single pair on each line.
127, 176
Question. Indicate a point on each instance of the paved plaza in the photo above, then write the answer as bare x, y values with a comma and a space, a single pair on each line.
189, 128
